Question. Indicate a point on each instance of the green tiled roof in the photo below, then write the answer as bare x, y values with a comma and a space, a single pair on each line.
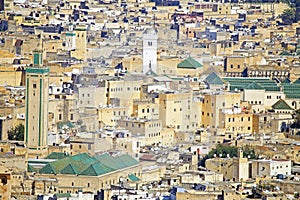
57, 155
63, 195
293, 96
97, 169
287, 80
69, 169
272, 88
118, 162
48, 169
31, 169
189, 63
291, 90
252, 83
83, 164
79, 163
281, 105
133, 177
254, 86
214, 79
297, 81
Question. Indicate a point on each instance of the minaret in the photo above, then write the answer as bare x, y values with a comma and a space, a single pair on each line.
80, 43
37, 92
150, 50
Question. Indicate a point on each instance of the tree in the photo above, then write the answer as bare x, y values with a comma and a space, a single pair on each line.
231, 151
16, 133
288, 15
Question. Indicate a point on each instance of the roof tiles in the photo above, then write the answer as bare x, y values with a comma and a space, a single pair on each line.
83, 164
189, 63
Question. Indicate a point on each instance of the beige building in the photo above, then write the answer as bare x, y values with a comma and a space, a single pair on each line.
80, 43
150, 129
235, 169
271, 167
62, 109
91, 96
11, 75
108, 116
191, 177
282, 116
179, 110
238, 122
261, 99
212, 105
207, 195
133, 63
145, 110
122, 93
89, 145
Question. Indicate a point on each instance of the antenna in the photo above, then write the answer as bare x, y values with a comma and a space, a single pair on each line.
154, 22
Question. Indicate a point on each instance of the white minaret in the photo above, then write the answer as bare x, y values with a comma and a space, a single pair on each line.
150, 50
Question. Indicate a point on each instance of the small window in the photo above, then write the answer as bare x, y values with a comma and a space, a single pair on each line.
34, 85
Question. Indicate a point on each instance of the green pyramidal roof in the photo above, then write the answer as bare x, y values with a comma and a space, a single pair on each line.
31, 169
83, 164
189, 63
254, 86
97, 169
281, 105
69, 169
57, 155
297, 81
118, 162
287, 80
48, 169
214, 79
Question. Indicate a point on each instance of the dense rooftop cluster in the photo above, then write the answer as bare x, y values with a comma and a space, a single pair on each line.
149, 99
